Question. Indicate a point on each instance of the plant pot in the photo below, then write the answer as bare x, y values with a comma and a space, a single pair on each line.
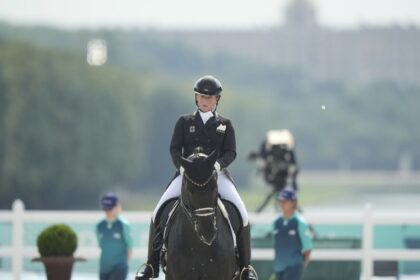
58, 268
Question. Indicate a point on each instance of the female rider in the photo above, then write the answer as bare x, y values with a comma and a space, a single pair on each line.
204, 128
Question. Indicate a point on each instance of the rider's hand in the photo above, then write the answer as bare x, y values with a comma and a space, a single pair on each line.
181, 170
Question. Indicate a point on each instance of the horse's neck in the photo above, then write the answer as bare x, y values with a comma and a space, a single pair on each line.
201, 217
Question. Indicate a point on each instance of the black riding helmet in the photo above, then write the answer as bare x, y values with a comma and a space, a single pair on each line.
208, 85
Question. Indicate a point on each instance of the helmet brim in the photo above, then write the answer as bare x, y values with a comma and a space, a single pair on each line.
203, 94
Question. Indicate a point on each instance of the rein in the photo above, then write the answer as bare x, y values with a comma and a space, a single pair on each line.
198, 213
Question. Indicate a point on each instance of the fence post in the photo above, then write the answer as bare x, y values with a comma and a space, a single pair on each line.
367, 243
18, 209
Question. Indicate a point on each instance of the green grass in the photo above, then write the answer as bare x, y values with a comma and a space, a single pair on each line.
316, 188
141, 201
252, 197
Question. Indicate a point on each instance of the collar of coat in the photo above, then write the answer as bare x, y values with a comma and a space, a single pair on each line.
197, 113
211, 122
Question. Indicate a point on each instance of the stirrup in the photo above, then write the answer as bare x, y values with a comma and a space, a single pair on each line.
252, 274
143, 274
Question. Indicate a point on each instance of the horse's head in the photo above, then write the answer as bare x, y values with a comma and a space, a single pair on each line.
199, 194
199, 168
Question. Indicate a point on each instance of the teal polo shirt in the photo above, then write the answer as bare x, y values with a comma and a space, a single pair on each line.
115, 241
292, 238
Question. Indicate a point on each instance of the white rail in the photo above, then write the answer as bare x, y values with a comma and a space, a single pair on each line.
365, 217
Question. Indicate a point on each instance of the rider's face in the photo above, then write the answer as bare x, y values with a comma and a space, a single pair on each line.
206, 102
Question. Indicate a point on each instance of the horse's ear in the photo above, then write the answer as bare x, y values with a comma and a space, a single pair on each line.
186, 163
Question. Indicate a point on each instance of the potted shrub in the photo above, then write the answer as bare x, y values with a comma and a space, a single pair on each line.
56, 245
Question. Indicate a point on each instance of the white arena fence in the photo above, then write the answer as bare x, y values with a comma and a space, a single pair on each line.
366, 217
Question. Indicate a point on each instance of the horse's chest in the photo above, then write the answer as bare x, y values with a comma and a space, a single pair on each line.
186, 238
191, 256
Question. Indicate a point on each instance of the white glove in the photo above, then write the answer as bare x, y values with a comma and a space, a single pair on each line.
181, 170
217, 167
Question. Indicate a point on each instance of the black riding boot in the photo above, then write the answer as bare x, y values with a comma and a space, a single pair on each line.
244, 250
153, 255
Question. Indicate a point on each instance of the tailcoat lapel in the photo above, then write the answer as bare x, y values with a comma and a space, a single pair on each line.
213, 121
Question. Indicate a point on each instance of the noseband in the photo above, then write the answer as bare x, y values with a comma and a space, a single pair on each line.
195, 214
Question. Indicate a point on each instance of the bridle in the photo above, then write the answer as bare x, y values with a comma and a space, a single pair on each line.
195, 214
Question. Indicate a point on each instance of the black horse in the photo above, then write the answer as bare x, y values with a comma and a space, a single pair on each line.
200, 242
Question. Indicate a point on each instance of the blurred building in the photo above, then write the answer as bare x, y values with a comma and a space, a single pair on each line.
324, 54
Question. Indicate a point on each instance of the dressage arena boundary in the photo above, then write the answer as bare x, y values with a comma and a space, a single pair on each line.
367, 218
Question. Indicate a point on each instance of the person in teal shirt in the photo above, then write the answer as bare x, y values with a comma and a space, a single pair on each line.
114, 238
292, 239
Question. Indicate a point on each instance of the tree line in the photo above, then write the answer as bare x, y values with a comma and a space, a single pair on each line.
69, 131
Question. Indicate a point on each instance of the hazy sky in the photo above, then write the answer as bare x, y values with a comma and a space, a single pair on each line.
192, 14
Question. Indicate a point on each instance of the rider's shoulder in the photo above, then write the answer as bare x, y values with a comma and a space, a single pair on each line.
187, 117
223, 119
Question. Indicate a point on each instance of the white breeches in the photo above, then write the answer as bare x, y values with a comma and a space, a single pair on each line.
226, 190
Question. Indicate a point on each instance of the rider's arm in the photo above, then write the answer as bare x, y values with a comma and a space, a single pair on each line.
177, 142
228, 148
